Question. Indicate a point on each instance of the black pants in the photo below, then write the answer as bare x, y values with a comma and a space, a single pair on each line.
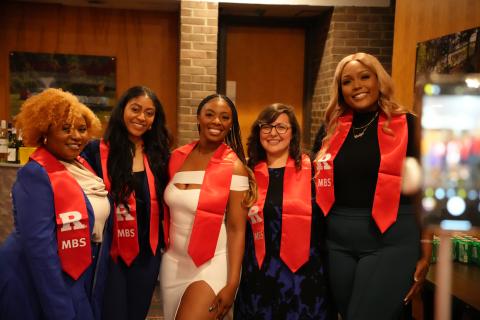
370, 273
129, 289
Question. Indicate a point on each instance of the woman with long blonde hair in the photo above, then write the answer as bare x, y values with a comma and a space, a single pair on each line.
366, 174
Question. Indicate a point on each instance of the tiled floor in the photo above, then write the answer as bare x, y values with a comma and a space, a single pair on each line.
156, 312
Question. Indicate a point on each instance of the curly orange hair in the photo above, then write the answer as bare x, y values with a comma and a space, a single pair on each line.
52, 107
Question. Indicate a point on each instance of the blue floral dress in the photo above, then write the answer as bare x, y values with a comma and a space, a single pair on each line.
275, 292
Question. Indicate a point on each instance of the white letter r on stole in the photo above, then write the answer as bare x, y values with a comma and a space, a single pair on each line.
253, 215
123, 214
322, 163
71, 218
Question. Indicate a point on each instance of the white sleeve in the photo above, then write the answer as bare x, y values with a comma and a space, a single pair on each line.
239, 183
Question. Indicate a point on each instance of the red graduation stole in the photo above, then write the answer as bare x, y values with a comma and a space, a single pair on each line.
73, 233
125, 229
213, 199
392, 155
296, 213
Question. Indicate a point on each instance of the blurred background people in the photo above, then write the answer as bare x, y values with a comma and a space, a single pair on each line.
132, 159
53, 265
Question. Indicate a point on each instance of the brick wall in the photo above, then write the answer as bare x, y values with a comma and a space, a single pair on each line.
349, 30
342, 31
198, 63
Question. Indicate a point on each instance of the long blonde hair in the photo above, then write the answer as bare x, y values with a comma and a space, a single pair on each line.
337, 106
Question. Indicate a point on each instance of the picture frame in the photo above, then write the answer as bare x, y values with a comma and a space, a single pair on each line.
91, 78
457, 52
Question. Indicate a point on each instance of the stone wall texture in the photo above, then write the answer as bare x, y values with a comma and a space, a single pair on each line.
198, 63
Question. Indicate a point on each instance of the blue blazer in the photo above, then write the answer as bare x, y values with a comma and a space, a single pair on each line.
32, 283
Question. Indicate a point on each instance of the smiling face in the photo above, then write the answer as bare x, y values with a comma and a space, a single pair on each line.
276, 144
66, 140
138, 116
215, 120
360, 88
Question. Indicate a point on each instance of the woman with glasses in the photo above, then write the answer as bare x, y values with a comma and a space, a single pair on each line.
282, 273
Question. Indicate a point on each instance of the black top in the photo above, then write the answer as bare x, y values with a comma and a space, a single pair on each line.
358, 160
143, 215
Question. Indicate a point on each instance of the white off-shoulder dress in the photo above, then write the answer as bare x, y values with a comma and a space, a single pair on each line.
177, 270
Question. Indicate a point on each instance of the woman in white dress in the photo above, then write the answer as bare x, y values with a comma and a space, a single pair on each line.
208, 196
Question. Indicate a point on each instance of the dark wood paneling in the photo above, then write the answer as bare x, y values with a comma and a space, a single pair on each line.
145, 44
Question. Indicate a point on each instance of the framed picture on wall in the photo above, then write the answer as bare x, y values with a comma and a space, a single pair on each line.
91, 78
453, 53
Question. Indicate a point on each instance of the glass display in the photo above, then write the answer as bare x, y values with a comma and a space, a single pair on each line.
450, 151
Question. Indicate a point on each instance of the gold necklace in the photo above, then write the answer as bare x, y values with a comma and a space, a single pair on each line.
360, 131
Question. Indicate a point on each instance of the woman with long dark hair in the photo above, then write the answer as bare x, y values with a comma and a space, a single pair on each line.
132, 159
208, 196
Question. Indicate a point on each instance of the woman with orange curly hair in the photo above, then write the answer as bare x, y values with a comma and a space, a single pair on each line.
53, 264
366, 174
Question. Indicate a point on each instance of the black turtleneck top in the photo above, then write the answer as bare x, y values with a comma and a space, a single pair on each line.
357, 162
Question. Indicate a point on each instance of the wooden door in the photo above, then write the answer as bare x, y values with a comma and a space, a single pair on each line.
264, 65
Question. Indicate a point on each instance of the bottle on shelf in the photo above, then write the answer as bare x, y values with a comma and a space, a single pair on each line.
3, 141
12, 156
9, 129
19, 139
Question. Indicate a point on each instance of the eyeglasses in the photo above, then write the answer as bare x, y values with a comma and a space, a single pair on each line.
281, 128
